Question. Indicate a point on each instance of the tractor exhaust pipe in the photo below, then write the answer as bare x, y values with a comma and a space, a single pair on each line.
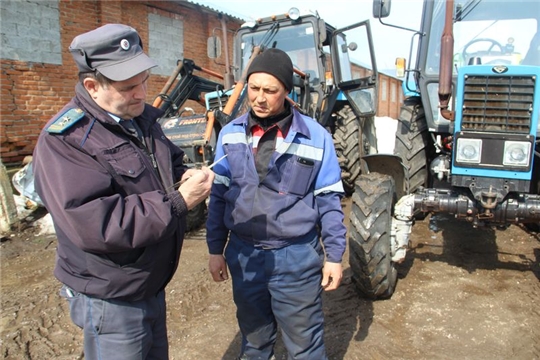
447, 51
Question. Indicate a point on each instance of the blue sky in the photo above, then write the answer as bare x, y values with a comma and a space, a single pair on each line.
389, 42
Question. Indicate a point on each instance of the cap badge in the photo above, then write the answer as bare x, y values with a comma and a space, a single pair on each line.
124, 44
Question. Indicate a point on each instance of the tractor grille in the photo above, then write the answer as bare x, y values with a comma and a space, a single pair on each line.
498, 103
214, 103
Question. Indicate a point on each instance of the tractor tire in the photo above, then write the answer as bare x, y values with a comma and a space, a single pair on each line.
196, 217
412, 140
373, 272
347, 145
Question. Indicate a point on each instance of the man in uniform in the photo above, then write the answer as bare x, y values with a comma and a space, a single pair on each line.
106, 173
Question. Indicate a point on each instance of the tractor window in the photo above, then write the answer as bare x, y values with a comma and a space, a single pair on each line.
344, 62
352, 50
492, 41
298, 41
486, 32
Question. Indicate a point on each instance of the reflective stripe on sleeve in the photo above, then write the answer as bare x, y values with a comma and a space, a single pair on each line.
336, 187
222, 180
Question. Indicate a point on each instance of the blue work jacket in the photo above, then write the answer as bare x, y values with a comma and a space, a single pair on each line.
301, 192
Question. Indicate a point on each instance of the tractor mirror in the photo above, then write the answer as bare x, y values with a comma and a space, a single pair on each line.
213, 47
381, 8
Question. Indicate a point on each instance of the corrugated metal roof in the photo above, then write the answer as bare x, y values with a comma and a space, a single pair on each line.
220, 9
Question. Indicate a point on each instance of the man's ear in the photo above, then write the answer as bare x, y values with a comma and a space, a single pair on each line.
91, 85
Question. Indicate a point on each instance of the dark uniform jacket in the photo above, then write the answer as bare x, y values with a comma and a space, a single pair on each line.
119, 222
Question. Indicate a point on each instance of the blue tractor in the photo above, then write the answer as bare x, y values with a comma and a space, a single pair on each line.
466, 142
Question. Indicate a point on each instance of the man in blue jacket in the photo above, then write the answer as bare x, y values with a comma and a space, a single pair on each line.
274, 197
106, 173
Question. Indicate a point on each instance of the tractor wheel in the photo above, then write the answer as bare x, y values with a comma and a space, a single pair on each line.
412, 139
373, 272
196, 217
347, 147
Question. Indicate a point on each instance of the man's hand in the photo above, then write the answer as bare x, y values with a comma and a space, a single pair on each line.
188, 173
196, 186
332, 275
218, 268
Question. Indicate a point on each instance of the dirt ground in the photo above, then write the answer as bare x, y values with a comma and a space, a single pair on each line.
463, 293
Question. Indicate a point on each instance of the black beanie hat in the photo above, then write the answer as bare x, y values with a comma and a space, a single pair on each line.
276, 63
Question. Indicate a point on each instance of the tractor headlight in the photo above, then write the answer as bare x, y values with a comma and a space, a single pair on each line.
516, 153
469, 150
294, 13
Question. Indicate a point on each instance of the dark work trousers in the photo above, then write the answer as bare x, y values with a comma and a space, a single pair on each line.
278, 287
120, 330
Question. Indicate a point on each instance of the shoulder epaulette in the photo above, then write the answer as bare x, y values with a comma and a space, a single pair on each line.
65, 121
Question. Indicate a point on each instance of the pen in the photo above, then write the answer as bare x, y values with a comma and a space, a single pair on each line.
218, 160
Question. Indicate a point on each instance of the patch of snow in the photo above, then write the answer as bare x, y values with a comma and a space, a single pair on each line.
385, 127
25, 206
45, 225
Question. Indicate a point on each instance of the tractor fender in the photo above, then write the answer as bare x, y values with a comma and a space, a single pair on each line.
390, 165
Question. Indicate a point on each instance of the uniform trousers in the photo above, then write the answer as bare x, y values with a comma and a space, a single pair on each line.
278, 288
120, 330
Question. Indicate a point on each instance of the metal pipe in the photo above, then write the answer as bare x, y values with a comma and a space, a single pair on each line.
229, 79
522, 209
447, 51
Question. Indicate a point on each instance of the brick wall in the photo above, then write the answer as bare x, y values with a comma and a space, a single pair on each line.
33, 91
390, 96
